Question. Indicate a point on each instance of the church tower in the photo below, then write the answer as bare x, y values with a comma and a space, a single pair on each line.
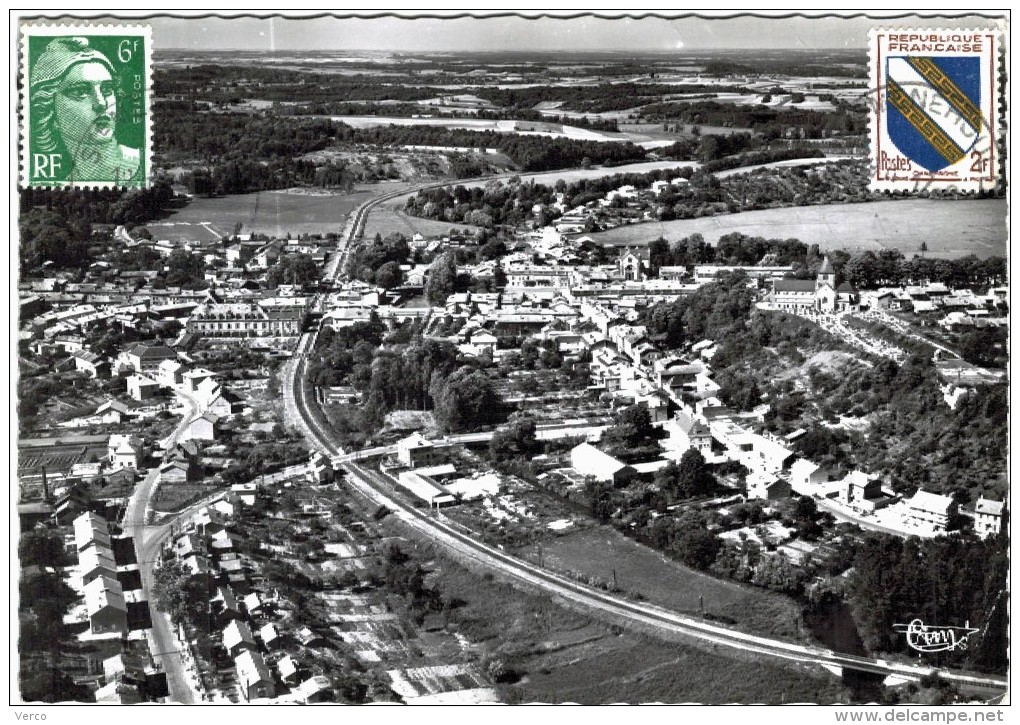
826, 275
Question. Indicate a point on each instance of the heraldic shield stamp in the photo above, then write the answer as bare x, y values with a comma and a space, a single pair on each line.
85, 105
934, 110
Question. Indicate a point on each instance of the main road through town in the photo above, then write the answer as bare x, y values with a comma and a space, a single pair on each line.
379, 489
148, 539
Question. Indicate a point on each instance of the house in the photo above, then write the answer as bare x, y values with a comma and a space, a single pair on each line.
71, 503
146, 358
170, 373
988, 516
92, 364
308, 638
254, 679
805, 476
225, 404
237, 638
288, 670
205, 427
125, 450
861, 491
192, 379
96, 561
270, 636
117, 411
120, 477
179, 471
253, 603
316, 689
246, 492
930, 509
104, 603
690, 432
588, 460
416, 450
142, 387
767, 486
91, 528
224, 605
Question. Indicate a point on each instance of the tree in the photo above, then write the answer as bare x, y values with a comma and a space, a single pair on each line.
693, 544
299, 269
632, 429
514, 441
442, 279
180, 594
41, 547
183, 268
465, 399
693, 477
389, 275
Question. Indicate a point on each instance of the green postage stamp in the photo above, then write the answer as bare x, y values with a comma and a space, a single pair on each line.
85, 105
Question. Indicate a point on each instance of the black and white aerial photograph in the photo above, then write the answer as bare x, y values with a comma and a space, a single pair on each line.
510, 357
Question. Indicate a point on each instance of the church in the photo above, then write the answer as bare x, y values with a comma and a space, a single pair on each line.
820, 295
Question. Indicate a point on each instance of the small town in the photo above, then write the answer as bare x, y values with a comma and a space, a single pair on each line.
492, 439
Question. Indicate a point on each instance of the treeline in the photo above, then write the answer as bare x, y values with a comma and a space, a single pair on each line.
719, 152
769, 121
593, 99
888, 267
209, 137
528, 153
948, 580
411, 110
734, 249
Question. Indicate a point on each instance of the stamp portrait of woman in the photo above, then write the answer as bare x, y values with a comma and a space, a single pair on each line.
73, 97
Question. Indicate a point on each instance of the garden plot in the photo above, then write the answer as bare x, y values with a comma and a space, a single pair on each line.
420, 681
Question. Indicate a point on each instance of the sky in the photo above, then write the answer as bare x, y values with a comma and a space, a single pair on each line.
524, 34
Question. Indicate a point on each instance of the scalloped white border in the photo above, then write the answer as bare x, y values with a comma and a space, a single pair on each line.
959, 177
82, 28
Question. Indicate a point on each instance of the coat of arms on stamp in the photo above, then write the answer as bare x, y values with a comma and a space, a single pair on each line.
934, 115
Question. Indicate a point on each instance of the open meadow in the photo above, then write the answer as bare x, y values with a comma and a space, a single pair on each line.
389, 217
950, 228
276, 213
598, 552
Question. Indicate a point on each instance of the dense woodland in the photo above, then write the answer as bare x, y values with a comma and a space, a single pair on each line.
406, 373
769, 121
944, 581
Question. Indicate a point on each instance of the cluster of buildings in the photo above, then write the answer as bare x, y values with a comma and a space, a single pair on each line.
247, 620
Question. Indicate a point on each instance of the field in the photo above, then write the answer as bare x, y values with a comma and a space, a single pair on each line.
639, 569
276, 213
390, 217
949, 228
566, 656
